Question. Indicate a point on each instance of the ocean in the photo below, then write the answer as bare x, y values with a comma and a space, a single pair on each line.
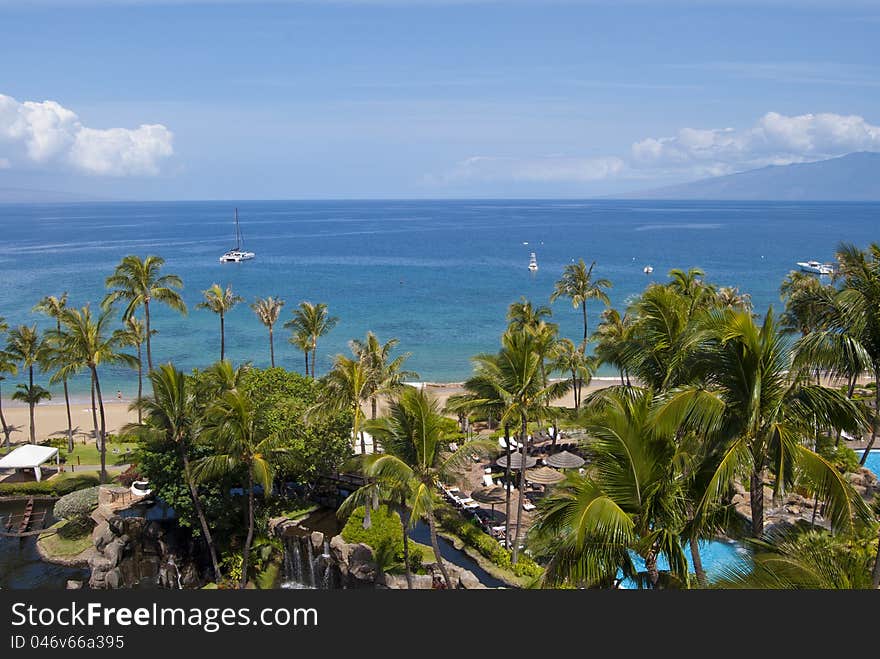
437, 275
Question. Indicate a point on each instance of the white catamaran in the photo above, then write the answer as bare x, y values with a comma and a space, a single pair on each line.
237, 253
533, 262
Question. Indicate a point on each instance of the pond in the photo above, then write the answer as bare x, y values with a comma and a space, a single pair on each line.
421, 533
20, 564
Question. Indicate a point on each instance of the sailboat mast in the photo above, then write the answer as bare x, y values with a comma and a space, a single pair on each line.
237, 232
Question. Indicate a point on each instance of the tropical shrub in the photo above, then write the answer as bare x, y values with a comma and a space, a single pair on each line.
384, 536
54, 487
77, 504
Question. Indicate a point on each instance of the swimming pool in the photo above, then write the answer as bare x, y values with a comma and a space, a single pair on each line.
873, 461
714, 554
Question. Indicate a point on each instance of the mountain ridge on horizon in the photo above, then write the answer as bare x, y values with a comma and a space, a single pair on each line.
851, 177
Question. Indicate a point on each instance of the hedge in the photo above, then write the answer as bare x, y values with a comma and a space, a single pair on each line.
385, 534
77, 504
54, 487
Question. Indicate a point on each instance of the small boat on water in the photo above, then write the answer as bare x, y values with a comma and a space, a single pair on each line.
648, 269
816, 268
238, 252
533, 262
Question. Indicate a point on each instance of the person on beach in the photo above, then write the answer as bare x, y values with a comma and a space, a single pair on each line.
118, 394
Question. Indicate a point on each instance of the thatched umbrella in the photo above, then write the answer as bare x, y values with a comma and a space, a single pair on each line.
565, 460
544, 476
516, 461
494, 494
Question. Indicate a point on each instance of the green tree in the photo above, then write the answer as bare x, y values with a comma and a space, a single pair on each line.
171, 421
763, 412
578, 285
314, 321
86, 342
53, 307
134, 334
138, 282
268, 310
571, 359
386, 375
240, 442
25, 346
612, 337
632, 499
6, 366
220, 301
301, 340
346, 387
416, 457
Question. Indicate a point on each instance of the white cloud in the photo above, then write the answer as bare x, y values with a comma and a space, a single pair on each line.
46, 134
775, 139
538, 169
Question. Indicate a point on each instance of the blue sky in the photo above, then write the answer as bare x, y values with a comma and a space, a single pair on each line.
299, 99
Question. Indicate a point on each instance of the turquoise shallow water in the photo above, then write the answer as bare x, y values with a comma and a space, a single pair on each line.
438, 275
873, 461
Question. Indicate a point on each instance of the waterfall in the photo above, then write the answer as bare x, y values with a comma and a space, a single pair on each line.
310, 558
304, 567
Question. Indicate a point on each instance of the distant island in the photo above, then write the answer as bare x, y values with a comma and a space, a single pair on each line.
853, 177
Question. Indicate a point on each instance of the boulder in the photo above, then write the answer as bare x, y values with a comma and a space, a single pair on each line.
114, 551
467, 580
317, 540
104, 537
116, 524
74, 584
113, 579
100, 563
360, 563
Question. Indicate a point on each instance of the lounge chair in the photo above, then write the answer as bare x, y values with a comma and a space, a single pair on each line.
487, 480
528, 505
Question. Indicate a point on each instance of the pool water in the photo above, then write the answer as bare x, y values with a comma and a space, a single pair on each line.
873, 461
715, 555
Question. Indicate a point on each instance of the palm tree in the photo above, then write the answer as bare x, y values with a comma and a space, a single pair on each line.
519, 381
137, 281
386, 374
346, 388
763, 412
632, 500
6, 366
731, 297
171, 420
482, 395
416, 457
241, 441
85, 342
302, 341
221, 302
53, 307
578, 285
569, 358
268, 309
611, 338
524, 314
314, 321
135, 334
25, 346
33, 395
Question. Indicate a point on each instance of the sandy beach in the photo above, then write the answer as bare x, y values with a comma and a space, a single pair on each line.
51, 420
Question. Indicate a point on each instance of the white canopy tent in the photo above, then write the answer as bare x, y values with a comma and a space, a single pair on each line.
30, 456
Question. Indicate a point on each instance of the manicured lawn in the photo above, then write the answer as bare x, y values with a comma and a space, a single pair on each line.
65, 542
88, 454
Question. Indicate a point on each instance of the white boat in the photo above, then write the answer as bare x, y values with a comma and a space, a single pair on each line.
237, 253
533, 262
648, 269
816, 268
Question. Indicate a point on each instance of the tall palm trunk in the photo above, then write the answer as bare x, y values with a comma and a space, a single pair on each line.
245, 553
651, 568
405, 524
756, 500
271, 347
876, 420
32, 404
507, 488
6, 431
697, 561
574, 390
67, 401
149, 347
520, 480
103, 445
373, 406
584, 310
140, 381
306, 353
432, 527
314, 360
222, 337
197, 503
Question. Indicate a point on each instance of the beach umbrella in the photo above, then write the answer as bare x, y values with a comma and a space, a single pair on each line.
544, 476
516, 461
565, 460
492, 495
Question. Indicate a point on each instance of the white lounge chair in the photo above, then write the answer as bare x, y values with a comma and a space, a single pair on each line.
487, 480
528, 505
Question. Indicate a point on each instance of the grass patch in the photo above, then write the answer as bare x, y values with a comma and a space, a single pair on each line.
88, 454
70, 538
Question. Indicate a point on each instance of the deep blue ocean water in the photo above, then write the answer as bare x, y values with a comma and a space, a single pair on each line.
438, 275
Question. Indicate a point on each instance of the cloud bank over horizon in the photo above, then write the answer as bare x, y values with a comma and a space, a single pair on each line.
46, 135
774, 139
